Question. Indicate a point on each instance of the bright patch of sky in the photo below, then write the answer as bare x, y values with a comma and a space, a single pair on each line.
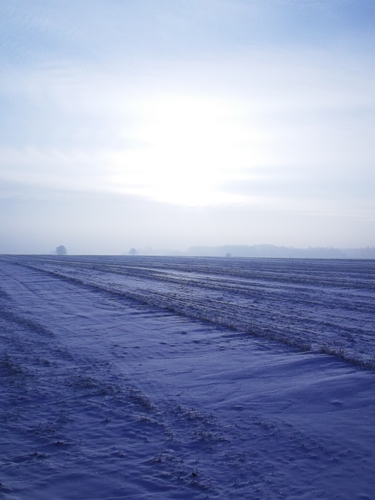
177, 123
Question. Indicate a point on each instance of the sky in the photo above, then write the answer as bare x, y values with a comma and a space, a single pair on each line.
168, 124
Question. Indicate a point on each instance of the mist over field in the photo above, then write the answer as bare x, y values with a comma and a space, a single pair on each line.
261, 251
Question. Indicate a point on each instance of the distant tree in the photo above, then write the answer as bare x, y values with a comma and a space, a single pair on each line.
133, 251
228, 255
61, 250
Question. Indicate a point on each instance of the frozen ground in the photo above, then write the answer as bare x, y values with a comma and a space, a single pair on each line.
155, 378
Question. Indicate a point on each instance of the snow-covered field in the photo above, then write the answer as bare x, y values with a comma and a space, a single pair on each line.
141, 377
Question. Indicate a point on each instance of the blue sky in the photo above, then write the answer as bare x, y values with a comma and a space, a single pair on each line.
175, 123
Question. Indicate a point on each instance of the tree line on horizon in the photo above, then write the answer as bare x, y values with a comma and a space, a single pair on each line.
263, 251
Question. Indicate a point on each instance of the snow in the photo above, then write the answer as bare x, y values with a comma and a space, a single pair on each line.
137, 377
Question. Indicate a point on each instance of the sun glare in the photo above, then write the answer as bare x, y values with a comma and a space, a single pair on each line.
190, 147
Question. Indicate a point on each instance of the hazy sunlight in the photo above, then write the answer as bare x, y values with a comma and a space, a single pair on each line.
191, 145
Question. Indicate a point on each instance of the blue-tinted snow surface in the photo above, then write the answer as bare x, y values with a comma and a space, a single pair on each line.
327, 304
147, 378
